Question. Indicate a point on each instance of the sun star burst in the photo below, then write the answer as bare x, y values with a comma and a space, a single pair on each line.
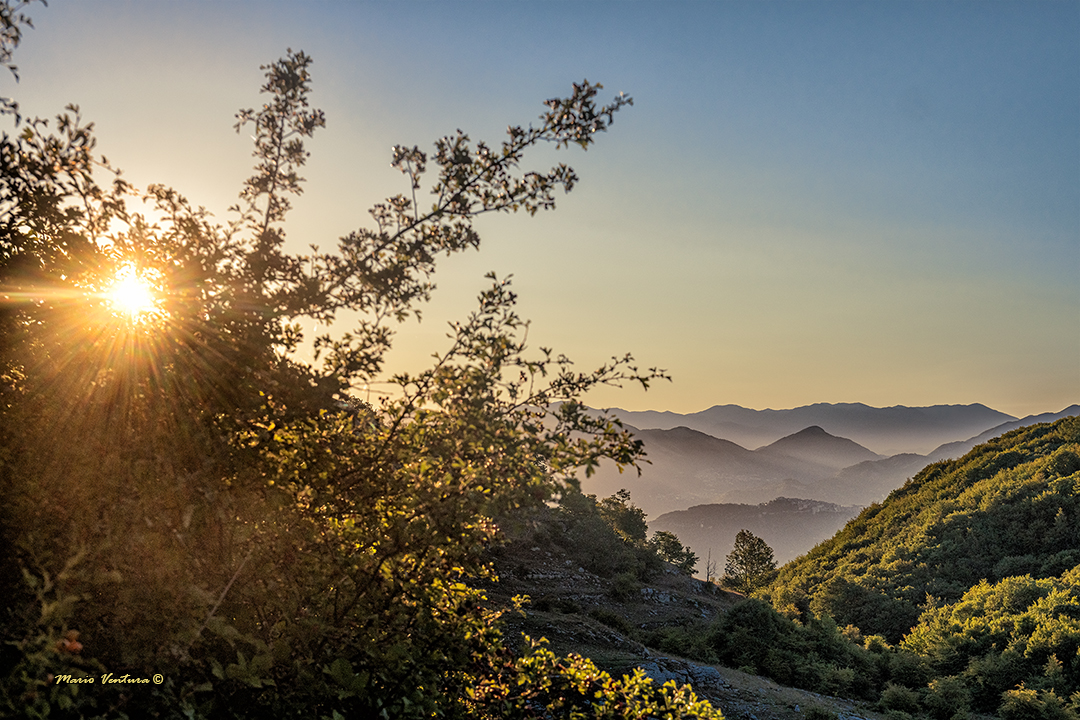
134, 294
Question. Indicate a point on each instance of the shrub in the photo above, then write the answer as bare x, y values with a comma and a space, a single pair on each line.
1023, 703
625, 587
898, 697
816, 712
947, 698
612, 619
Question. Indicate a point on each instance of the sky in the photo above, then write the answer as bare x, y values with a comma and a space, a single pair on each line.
872, 202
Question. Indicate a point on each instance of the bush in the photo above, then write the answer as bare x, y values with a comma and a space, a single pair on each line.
898, 715
1024, 703
625, 587
606, 536
612, 619
908, 669
948, 698
898, 697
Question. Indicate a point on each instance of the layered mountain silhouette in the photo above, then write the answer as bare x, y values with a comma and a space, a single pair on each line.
954, 450
872, 481
815, 447
887, 431
689, 467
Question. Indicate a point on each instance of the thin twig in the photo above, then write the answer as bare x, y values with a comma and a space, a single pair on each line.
221, 598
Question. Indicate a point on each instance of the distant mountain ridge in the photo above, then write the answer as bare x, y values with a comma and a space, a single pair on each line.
887, 431
700, 486
689, 467
872, 481
961, 448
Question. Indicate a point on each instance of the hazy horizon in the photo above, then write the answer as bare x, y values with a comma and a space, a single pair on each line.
823, 402
873, 202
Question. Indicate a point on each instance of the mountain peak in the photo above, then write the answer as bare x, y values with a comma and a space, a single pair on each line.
814, 445
812, 431
811, 434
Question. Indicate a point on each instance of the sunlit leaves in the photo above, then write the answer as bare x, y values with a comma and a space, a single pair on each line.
1032, 624
539, 684
279, 547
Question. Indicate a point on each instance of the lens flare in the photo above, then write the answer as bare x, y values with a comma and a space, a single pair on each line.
134, 294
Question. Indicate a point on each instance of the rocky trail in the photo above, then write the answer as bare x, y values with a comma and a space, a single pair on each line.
579, 612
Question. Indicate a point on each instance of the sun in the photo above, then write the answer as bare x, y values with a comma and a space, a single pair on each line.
134, 294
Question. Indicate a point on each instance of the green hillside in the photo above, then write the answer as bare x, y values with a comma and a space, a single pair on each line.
960, 594
1009, 507
974, 565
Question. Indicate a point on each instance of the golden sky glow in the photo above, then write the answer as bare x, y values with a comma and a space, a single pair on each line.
871, 202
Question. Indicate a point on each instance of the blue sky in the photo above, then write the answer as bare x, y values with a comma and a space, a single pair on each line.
809, 202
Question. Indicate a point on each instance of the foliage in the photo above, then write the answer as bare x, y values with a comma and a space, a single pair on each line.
974, 565
814, 655
612, 619
186, 496
626, 519
539, 685
607, 537
750, 564
1008, 664
1026, 704
668, 547
1018, 630
900, 698
625, 586
1009, 507
816, 712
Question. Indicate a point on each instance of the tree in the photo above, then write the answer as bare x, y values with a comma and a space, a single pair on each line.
12, 20
750, 564
186, 496
626, 518
668, 546
608, 536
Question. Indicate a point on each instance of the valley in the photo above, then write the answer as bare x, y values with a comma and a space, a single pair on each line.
958, 596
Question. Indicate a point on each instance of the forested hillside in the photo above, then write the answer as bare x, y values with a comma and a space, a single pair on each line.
981, 615
1009, 507
974, 564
